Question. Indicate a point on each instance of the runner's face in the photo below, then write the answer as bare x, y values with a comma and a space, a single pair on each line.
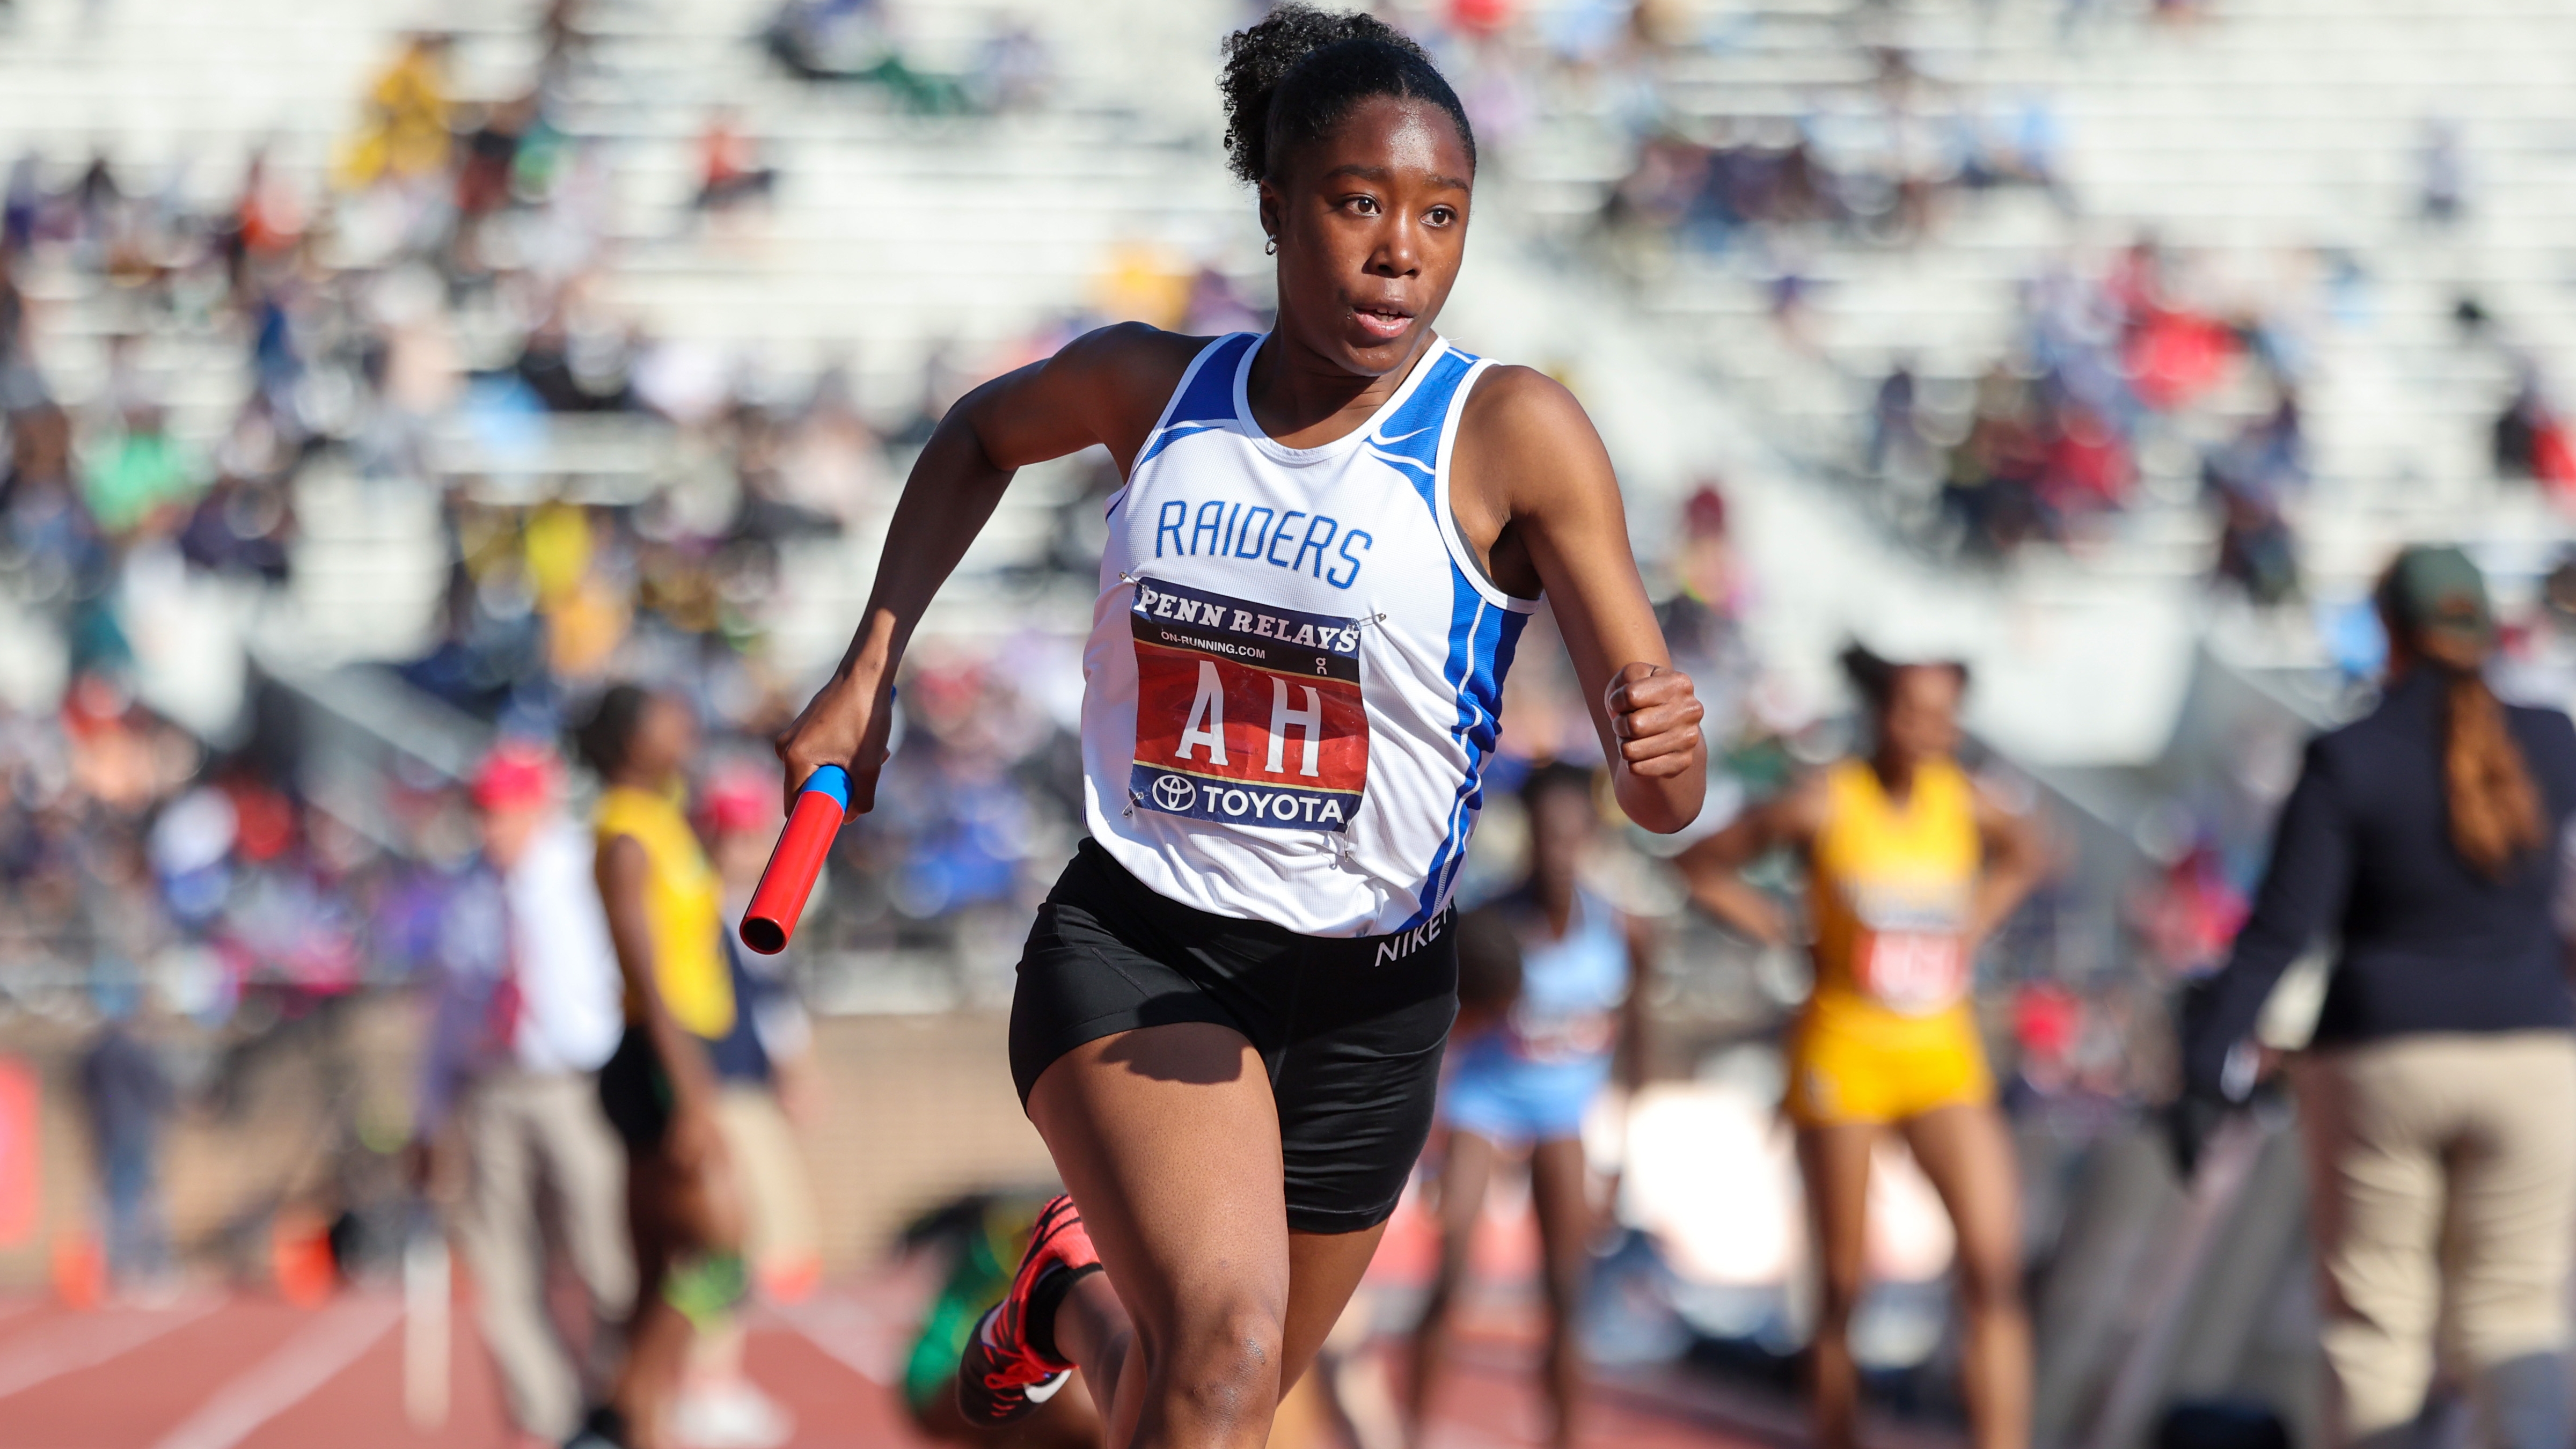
1922, 720
1371, 222
665, 738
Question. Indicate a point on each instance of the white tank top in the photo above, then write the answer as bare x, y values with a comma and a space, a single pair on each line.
1295, 670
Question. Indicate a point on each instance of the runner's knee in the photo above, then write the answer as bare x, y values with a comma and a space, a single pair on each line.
1988, 1280
1224, 1361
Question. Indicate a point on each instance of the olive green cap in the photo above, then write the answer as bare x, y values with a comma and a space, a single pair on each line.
2437, 591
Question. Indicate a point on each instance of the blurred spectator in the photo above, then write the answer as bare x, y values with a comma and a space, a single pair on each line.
49, 534
2530, 439
1895, 433
2250, 479
20, 201
1702, 621
576, 367
523, 991
139, 473
404, 133
850, 40
2436, 1093
129, 1099
1566, 974
660, 1087
761, 1066
2442, 174
13, 312
829, 39
2087, 470
2256, 553
729, 167
240, 527
266, 222
1013, 69
1993, 487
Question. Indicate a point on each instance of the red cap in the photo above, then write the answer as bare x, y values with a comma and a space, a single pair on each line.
1704, 515
742, 799
2047, 1019
516, 775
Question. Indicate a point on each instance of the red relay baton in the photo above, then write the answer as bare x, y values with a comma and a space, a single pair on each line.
821, 805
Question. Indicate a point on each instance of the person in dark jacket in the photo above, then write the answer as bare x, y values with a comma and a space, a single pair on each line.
2438, 1097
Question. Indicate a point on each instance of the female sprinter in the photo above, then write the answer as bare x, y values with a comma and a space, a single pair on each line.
1230, 1011
665, 917
1909, 867
1526, 1081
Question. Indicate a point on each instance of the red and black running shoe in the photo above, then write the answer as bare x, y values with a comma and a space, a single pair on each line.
1003, 1376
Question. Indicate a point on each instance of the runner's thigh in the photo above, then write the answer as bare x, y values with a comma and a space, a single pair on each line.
1168, 1139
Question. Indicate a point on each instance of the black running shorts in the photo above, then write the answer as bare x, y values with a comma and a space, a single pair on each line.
1350, 1028
635, 1093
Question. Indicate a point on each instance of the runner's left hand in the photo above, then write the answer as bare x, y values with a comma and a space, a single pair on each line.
1654, 714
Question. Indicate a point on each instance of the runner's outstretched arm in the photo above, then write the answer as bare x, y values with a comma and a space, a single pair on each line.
1534, 474
1087, 393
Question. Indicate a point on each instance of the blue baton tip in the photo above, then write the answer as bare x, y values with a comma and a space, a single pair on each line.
832, 780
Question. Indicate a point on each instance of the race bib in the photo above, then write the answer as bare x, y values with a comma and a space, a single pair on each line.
1554, 1038
1246, 714
1915, 972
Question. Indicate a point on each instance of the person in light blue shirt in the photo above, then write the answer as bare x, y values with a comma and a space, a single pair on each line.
1550, 1004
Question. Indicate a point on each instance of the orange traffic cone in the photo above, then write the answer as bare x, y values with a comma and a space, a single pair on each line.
80, 1270
299, 1254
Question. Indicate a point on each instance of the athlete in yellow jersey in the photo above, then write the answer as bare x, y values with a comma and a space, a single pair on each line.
683, 910
666, 917
1909, 867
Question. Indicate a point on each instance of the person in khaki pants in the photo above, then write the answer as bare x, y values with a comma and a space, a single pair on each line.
2438, 1099
526, 1008
2445, 1165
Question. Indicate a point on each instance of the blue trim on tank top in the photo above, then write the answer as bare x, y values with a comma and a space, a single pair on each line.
1409, 441
1206, 401
1482, 638
1482, 641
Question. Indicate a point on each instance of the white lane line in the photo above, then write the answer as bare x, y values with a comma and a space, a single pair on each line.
312, 1358
85, 1343
854, 1335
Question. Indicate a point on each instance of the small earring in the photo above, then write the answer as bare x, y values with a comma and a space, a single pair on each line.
1270, 247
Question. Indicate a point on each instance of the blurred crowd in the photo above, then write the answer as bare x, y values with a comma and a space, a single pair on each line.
860, 42
2046, 442
173, 369
1881, 171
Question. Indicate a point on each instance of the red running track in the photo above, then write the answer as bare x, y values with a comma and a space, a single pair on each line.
252, 1373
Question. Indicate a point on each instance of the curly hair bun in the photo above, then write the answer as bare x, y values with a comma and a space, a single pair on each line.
1290, 78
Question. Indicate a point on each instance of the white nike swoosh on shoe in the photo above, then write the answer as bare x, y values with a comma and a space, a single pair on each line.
1040, 1393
